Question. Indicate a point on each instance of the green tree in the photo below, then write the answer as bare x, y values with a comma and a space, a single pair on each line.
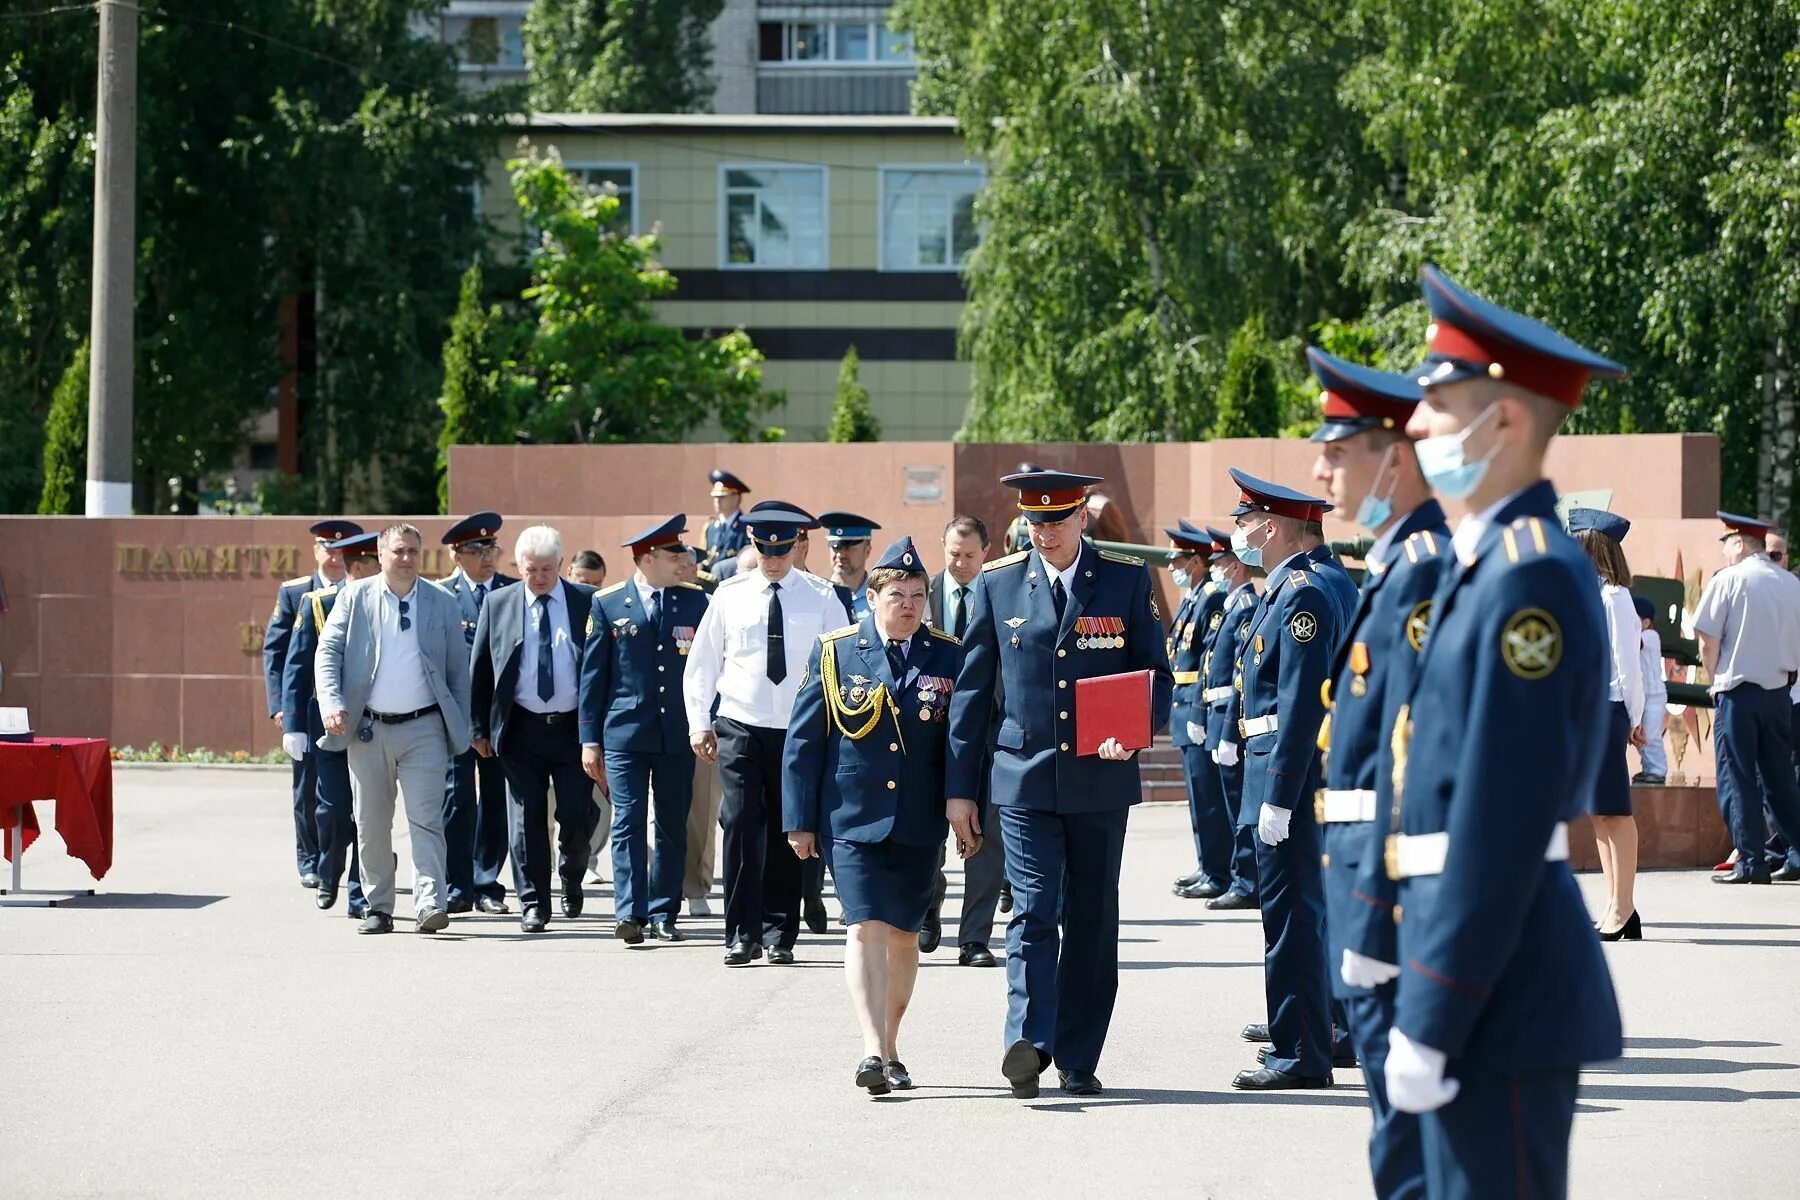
1249, 401
479, 400
620, 55
852, 416
65, 442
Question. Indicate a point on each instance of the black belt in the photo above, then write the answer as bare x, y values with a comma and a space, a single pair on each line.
561, 718
399, 718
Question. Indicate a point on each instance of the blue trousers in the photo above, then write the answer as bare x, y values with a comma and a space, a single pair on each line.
638, 781
1754, 731
1297, 989
534, 756
334, 812
306, 817
1206, 814
1243, 837
1062, 944
1396, 1160
475, 827
1503, 1136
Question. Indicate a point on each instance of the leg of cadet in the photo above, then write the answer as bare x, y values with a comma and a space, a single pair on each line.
1503, 1136
1036, 867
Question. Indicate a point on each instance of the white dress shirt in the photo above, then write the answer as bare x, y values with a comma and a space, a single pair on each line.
1468, 532
1627, 682
729, 655
953, 603
563, 669
1753, 609
399, 685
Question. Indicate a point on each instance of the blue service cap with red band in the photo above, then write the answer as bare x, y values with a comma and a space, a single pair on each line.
1187, 537
1357, 398
1221, 541
666, 532
1598, 520
1750, 527
1259, 496
1048, 496
334, 530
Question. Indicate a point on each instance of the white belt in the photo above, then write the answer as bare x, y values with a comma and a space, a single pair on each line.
1215, 695
1339, 807
1257, 726
1424, 853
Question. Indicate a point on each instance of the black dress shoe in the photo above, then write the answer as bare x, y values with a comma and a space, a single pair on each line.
781, 956
742, 954
813, 913
974, 954
1079, 1083
1006, 897
325, 897
492, 907
431, 920
571, 900
1341, 1055
356, 912
309, 879
1631, 931
532, 920
931, 932
1740, 874
1785, 874
1188, 880
376, 922
1203, 889
898, 1075
629, 932
871, 1073
663, 930
1265, 1080
1233, 899
1021, 1066
1255, 1033
459, 906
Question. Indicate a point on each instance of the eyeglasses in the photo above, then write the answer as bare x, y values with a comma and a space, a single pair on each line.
405, 621
1777, 555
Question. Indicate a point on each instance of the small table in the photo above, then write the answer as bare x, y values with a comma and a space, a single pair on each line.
76, 775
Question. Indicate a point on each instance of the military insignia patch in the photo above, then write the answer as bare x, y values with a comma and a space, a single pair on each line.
1214, 623
1304, 627
1155, 612
1531, 644
1014, 622
1418, 623
590, 626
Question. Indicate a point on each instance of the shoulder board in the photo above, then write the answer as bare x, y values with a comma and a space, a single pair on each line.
1298, 578
330, 590
1130, 560
1009, 560
941, 636
835, 634
615, 587
692, 587
1423, 545
1525, 538
297, 581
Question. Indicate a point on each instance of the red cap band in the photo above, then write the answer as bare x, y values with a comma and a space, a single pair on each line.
1034, 500
1555, 378
1283, 508
649, 544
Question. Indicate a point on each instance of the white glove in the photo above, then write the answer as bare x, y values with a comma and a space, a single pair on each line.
1228, 754
1360, 971
1415, 1075
295, 745
1196, 733
1272, 824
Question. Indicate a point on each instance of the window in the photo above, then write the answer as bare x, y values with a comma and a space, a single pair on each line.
928, 217
487, 42
773, 217
837, 43
622, 176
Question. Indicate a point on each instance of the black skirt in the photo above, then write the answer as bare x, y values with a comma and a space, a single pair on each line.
1612, 789
883, 881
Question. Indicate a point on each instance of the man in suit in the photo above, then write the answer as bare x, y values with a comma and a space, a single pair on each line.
633, 726
328, 570
1043, 620
302, 727
475, 803
726, 533
949, 604
523, 688
393, 684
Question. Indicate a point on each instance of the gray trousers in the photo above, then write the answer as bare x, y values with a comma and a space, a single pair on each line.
413, 756
982, 876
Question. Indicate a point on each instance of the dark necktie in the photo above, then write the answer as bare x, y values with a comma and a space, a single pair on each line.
480, 595
962, 612
1058, 597
656, 610
777, 664
897, 662
546, 670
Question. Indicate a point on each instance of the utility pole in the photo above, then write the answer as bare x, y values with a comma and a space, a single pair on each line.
115, 258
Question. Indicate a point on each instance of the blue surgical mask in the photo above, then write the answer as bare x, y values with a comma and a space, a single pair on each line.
1374, 510
1250, 556
1446, 469
1182, 579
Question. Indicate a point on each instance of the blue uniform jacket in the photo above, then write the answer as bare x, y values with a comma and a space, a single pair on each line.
276, 635
887, 784
1284, 663
1021, 662
299, 703
1370, 678
1500, 968
631, 697
1219, 666
1199, 617
724, 541
458, 585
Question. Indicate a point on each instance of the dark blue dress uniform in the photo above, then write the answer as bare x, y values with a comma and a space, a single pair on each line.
1218, 675
1196, 621
1062, 817
475, 822
632, 708
1500, 968
724, 539
1284, 665
276, 636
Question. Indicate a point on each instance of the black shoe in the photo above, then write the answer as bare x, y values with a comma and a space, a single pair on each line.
974, 954
1079, 1083
629, 932
356, 912
871, 1073
898, 1075
663, 930
781, 956
1631, 931
309, 879
492, 907
931, 933
1785, 874
1341, 1055
459, 906
1255, 1033
431, 920
571, 899
1188, 880
1021, 1066
1203, 889
325, 897
1006, 897
532, 920
813, 913
1740, 874
376, 922
1265, 1080
1232, 899
742, 954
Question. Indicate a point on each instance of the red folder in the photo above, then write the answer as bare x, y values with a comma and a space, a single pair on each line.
1113, 706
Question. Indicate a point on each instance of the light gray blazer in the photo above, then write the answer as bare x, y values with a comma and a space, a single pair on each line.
345, 668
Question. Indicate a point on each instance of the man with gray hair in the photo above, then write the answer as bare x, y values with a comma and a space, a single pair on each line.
393, 690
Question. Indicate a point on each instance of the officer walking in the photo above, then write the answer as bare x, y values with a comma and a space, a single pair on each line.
475, 829
1218, 671
1198, 617
726, 533
1044, 619
1280, 673
1748, 622
1500, 977
1367, 460
328, 570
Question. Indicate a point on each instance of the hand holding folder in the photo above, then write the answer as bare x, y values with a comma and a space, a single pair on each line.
1113, 706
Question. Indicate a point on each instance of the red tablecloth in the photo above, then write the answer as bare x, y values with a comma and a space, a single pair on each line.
76, 773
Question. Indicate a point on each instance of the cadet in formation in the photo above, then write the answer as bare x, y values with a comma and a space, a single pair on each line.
1197, 619
1043, 620
1218, 671
863, 789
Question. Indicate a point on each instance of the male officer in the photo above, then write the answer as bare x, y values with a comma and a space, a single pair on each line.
848, 537
302, 728
634, 726
1044, 619
1500, 977
1218, 669
1748, 622
475, 834
1018, 534
329, 569
1366, 460
1199, 616
726, 533
1280, 672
